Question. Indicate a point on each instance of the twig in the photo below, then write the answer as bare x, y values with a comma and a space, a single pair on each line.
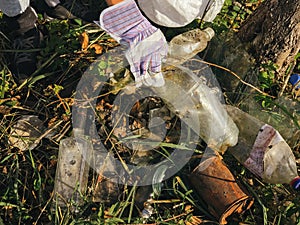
68, 126
153, 201
235, 75
35, 143
286, 81
43, 210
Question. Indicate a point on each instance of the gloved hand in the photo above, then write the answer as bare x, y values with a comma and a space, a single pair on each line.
146, 44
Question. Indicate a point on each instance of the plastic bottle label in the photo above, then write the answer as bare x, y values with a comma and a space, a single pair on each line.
255, 162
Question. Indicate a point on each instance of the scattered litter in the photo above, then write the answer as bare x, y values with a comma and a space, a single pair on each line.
26, 131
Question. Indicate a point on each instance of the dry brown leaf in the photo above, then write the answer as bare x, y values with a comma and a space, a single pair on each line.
187, 208
194, 220
111, 40
52, 122
84, 40
297, 93
107, 214
4, 109
4, 170
98, 48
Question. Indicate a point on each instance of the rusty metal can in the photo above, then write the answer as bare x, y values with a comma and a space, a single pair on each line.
216, 185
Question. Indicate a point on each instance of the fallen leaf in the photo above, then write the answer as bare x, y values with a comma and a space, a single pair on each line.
98, 48
111, 40
84, 40
194, 220
4, 170
188, 208
4, 109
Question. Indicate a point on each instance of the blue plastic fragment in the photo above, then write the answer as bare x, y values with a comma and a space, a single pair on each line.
294, 79
296, 183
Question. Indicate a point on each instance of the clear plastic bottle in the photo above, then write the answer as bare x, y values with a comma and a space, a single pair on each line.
184, 46
197, 104
71, 173
199, 107
263, 151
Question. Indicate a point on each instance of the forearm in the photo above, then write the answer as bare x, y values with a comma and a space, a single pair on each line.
113, 2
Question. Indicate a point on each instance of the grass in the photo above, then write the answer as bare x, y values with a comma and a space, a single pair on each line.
27, 177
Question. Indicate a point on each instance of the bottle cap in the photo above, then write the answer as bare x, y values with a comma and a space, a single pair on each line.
295, 183
294, 79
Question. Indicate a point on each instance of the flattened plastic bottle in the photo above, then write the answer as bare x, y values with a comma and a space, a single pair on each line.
71, 173
263, 151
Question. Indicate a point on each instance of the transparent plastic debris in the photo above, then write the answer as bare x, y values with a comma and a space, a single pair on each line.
147, 211
284, 117
71, 173
152, 192
216, 128
158, 178
26, 131
186, 45
227, 50
262, 150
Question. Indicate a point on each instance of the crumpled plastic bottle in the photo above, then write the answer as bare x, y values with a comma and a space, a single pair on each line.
198, 106
184, 46
263, 151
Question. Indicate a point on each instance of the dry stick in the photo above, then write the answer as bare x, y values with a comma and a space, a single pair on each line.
286, 81
235, 75
62, 102
3, 100
23, 108
43, 209
67, 127
94, 41
37, 141
56, 101
112, 130
167, 220
177, 216
153, 201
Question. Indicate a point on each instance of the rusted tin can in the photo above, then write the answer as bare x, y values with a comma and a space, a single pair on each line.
216, 185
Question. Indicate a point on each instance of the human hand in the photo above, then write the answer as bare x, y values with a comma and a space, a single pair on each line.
145, 59
146, 44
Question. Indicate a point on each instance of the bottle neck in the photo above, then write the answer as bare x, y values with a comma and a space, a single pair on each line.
209, 33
